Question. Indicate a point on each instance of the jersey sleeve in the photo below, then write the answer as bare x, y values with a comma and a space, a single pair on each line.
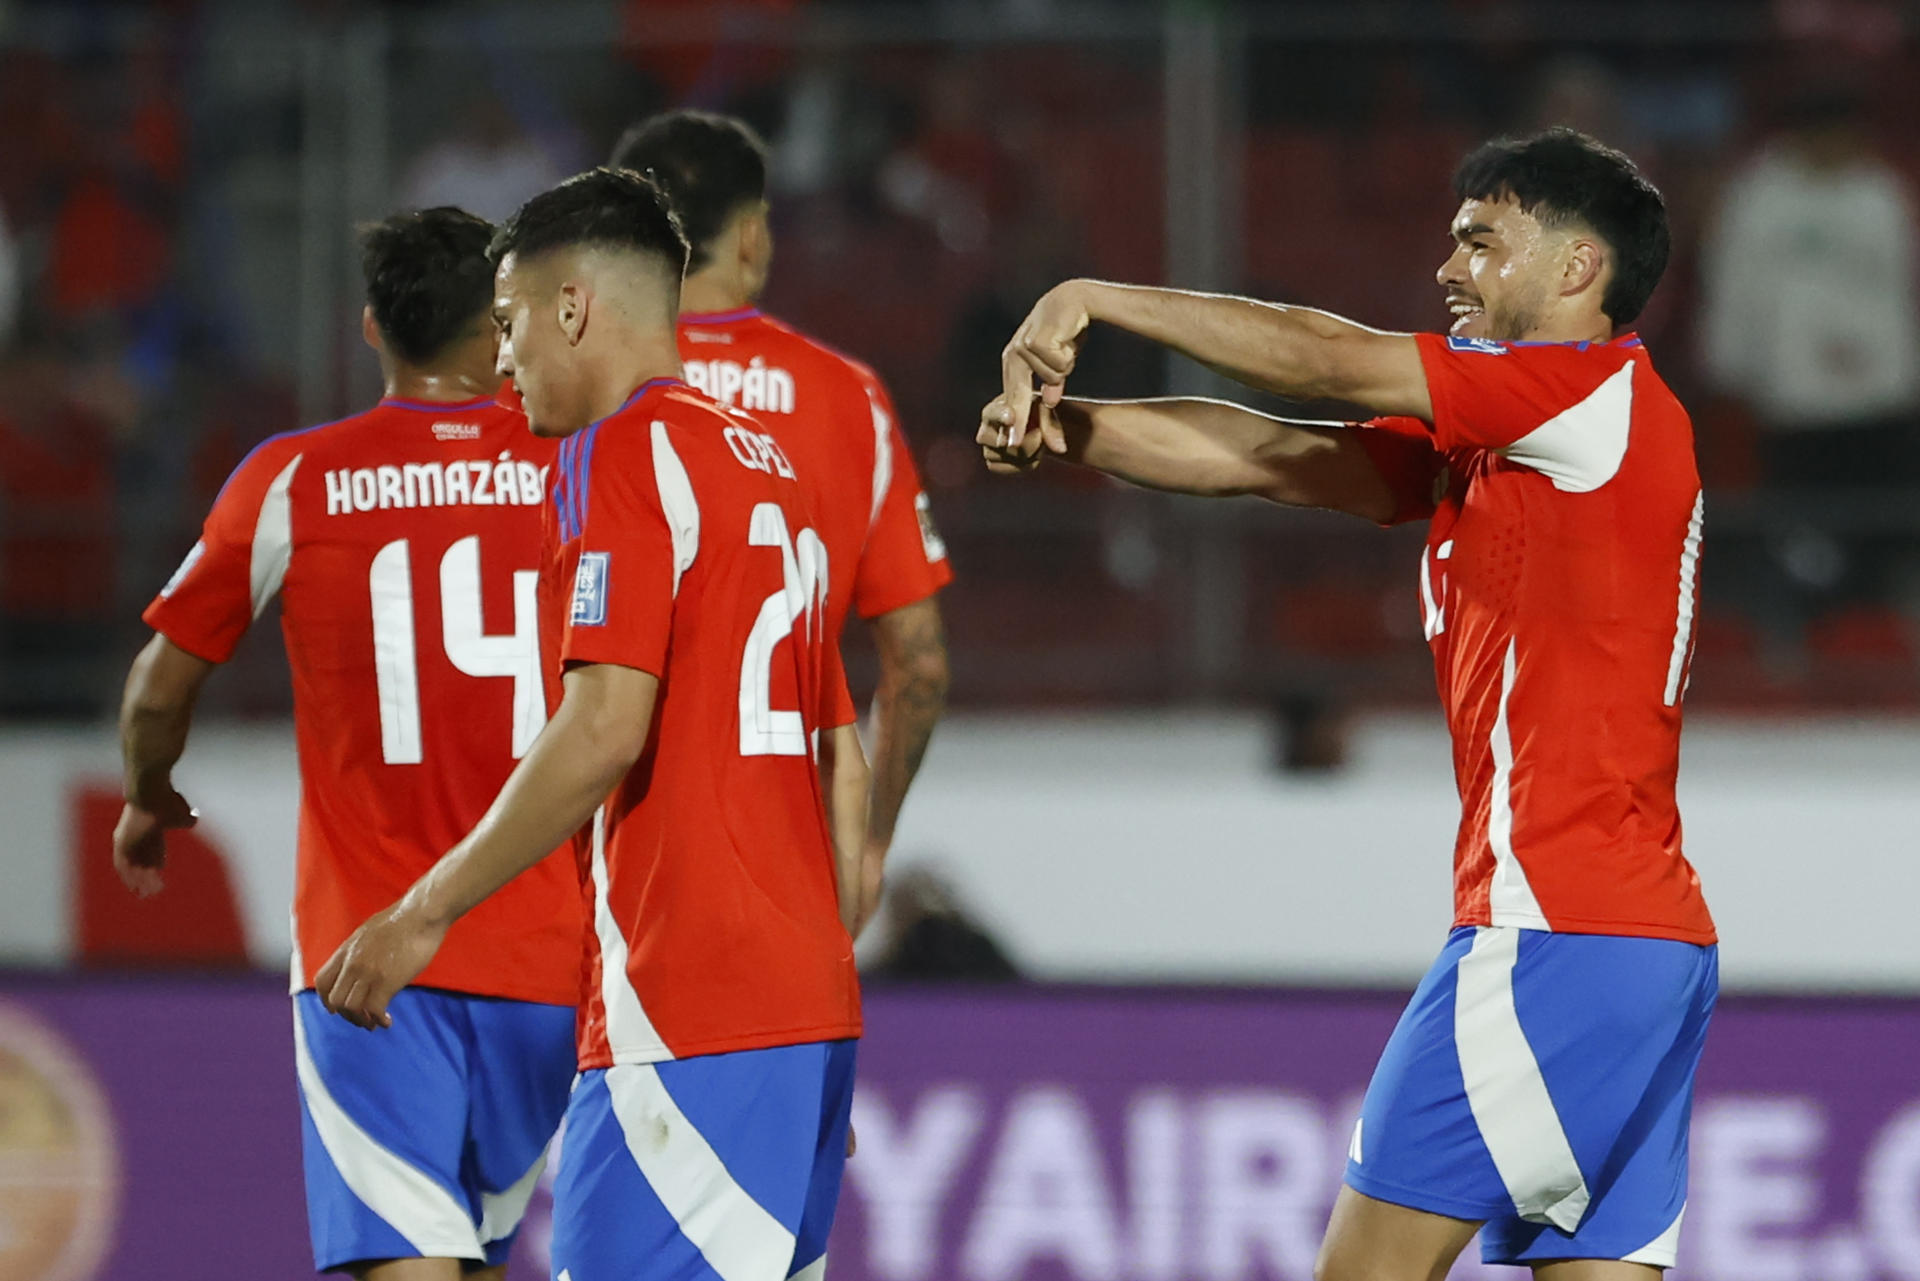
1562, 409
836, 700
639, 534
905, 559
240, 560
1403, 453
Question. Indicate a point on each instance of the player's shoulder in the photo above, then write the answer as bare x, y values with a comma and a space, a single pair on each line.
1571, 355
405, 427
824, 357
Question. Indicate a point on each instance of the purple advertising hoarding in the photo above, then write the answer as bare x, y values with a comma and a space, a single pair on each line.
149, 1132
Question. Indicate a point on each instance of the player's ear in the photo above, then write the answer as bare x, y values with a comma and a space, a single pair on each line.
756, 240
370, 329
570, 309
1586, 263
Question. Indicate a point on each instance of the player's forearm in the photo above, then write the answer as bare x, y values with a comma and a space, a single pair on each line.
843, 766
1295, 352
912, 695
582, 754
1216, 449
156, 714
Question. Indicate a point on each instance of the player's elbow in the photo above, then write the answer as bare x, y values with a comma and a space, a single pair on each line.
914, 663
162, 683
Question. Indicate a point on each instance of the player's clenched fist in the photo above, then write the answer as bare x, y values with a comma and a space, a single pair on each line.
385, 954
140, 840
1003, 453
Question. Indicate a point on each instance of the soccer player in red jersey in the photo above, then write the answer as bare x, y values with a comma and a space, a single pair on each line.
1541, 1081
702, 745
832, 413
404, 546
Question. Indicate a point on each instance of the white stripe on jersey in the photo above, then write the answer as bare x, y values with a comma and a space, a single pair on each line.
630, 1034
677, 501
1510, 899
1505, 1090
882, 458
1689, 581
272, 539
1580, 449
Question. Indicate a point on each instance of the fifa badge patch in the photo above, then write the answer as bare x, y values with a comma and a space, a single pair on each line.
1485, 346
930, 540
590, 590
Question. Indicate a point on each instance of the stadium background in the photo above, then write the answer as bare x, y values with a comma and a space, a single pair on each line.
1193, 785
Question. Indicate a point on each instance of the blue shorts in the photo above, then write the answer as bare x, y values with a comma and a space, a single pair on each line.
425, 1139
1543, 1083
722, 1166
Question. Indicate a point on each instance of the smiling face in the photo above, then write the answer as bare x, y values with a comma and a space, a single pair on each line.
1506, 270
536, 350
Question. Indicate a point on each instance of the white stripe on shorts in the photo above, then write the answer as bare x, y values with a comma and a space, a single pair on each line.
736, 1236
1663, 1249
1505, 1090
815, 1271
501, 1212
410, 1202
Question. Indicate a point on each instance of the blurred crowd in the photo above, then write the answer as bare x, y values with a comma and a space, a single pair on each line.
926, 192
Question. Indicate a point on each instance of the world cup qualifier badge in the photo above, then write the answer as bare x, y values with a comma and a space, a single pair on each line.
590, 590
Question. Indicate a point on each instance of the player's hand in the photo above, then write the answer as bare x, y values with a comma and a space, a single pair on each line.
1044, 347
1007, 455
385, 954
140, 840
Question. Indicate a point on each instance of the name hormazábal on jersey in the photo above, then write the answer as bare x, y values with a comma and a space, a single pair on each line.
478, 482
756, 386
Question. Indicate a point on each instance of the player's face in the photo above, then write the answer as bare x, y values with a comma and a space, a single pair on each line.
534, 352
1500, 277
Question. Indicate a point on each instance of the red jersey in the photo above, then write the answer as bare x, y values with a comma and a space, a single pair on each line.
1557, 590
404, 544
680, 543
833, 416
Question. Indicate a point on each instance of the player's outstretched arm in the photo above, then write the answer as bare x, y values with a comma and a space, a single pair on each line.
156, 712
912, 693
847, 782
1295, 352
1196, 446
589, 745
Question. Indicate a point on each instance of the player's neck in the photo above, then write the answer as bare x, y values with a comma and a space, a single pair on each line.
712, 291
1571, 328
641, 361
405, 383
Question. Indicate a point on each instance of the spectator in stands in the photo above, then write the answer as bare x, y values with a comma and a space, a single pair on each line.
1811, 319
490, 166
57, 535
931, 937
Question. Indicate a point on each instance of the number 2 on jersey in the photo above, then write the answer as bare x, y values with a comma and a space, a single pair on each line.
803, 573
468, 647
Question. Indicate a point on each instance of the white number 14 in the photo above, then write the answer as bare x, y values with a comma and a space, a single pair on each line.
469, 648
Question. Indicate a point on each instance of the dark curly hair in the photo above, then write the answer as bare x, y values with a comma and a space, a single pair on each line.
428, 277
1563, 176
709, 165
604, 207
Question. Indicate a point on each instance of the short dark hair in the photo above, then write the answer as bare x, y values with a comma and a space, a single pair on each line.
1563, 176
427, 277
710, 166
601, 208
